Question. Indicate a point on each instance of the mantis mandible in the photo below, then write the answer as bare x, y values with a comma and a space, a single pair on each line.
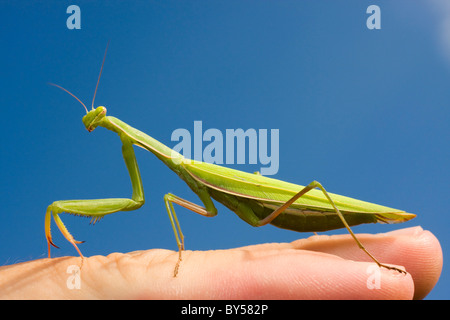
256, 199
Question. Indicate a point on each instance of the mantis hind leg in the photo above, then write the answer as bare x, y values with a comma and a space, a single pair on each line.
309, 187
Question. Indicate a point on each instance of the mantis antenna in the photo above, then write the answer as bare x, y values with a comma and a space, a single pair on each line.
100, 74
52, 84
96, 87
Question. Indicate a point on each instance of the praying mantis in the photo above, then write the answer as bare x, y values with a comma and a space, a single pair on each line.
256, 199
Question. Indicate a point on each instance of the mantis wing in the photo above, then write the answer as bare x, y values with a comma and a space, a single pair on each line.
264, 189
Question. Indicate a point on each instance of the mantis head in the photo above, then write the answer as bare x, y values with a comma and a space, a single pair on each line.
93, 118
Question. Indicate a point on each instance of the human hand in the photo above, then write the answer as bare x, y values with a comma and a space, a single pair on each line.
319, 267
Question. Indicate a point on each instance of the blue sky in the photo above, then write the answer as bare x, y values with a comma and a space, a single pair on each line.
365, 112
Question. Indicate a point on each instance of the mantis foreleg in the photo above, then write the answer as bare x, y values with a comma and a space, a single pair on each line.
98, 208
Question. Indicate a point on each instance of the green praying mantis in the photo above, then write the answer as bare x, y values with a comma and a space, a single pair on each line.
256, 199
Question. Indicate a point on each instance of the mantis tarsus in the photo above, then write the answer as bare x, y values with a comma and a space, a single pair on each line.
256, 199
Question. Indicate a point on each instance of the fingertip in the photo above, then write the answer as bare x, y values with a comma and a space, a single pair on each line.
418, 250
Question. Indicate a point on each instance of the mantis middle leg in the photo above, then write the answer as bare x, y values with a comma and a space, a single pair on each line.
208, 211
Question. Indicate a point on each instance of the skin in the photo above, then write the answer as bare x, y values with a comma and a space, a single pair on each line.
256, 199
319, 267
